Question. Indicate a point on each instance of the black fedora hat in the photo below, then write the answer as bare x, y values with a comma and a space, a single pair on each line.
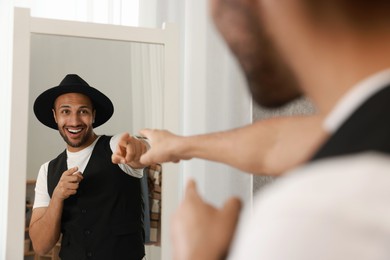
72, 83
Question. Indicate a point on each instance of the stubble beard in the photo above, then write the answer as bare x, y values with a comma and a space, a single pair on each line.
270, 79
83, 140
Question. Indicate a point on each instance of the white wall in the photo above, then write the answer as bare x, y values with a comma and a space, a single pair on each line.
119, 12
214, 95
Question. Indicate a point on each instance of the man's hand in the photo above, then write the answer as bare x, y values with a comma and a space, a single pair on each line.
68, 184
164, 147
201, 231
129, 151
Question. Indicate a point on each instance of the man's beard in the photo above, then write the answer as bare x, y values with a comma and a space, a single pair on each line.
272, 82
270, 79
83, 140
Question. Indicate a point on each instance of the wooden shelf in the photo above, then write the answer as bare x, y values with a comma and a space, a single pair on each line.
29, 253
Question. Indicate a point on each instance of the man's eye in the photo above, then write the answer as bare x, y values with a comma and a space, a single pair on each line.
83, 111
64, 111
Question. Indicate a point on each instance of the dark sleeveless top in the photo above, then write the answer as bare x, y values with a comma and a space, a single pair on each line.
367, 129
104, 219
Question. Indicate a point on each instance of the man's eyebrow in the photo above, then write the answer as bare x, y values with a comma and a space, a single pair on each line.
86, 106
68, 106
64, 106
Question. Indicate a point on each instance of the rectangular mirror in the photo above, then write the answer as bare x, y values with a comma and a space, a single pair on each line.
137, 68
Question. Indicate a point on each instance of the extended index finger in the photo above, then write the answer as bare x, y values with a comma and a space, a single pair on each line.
123, 140
72, 175
71, 171
145, 132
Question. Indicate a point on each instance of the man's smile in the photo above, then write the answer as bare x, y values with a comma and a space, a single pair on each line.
74, 131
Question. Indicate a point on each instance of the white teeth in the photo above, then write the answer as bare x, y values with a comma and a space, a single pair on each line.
74, 131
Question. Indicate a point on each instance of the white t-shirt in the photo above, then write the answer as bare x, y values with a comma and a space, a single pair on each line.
79, 159
336, 208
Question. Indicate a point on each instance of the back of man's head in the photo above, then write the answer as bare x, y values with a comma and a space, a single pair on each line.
357, 14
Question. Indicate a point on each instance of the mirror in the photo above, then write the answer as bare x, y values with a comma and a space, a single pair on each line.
137, 68
127, 72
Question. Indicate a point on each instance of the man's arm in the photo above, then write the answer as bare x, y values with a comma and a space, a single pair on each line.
265, 147
45, 224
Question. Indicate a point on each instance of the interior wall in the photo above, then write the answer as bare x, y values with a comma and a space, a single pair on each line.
213, 93
120, 12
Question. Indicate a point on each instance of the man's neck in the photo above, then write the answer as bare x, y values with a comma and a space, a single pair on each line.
335, 77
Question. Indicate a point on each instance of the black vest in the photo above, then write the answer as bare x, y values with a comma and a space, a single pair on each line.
104, 219
367, 129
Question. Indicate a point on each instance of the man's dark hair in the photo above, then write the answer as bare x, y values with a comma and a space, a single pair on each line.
359, 14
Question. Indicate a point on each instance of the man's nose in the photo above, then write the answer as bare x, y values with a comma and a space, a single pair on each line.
74, 118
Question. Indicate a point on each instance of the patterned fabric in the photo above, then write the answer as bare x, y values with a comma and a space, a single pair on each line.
154, 177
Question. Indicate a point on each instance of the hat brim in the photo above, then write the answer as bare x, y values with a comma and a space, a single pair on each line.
44, 104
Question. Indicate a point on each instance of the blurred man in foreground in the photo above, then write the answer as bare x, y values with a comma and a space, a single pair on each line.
337, 206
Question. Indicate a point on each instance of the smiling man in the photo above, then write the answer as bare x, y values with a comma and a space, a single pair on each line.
75, 135
91, 192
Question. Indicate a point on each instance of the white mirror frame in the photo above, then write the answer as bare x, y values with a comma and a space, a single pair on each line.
24, 25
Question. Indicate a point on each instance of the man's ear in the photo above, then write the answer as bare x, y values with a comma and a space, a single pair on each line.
54, 115
94, 115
